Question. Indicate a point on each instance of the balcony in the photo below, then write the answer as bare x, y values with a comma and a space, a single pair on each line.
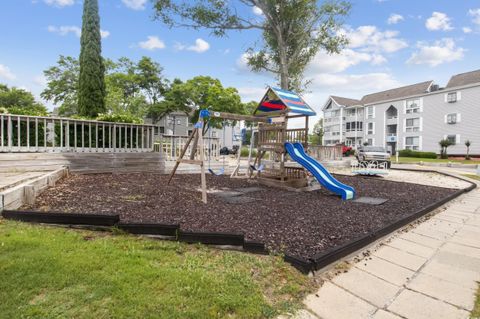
391, 137
392, 120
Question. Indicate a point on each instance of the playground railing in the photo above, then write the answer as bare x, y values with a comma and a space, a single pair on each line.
22, 133
326, 153
171, 147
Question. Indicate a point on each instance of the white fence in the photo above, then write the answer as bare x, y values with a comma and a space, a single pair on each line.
33, 134
20, 133
172, 146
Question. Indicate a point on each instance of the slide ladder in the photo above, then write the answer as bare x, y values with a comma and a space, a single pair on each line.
297, 153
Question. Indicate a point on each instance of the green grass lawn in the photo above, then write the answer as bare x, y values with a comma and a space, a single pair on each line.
48, 272
476, 310
407, 160
472, 176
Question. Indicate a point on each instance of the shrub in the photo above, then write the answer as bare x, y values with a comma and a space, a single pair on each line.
3, 110
119, 118
418, 154
244, 152
347, 150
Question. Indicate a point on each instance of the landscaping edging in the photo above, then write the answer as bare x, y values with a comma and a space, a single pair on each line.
305, 265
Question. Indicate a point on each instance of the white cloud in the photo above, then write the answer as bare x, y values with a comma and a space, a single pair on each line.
5, 73
475, 14
60, 3
257, 11
152, 43
438, 21
467, 30
135, 4
355, 82
200, 46
251, 93
64, 30
441, 51
40, 80
104, 34
335, 63
368, 38
395, 18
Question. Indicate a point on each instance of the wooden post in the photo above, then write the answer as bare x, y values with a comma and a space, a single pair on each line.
181, 155
29, 194
202, 166
306, 132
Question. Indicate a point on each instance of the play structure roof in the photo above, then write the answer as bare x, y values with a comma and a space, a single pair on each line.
277, 99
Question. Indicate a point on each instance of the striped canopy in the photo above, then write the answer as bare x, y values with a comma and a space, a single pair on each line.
277, 99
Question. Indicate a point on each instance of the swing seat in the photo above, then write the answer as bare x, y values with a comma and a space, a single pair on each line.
219, 173
257, 169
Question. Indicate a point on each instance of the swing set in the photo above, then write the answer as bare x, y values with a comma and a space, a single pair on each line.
271, 117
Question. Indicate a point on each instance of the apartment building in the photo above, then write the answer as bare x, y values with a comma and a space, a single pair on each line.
413, 117
178, 124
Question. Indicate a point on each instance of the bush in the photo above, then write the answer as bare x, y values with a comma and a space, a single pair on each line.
244, 152
347, 151
3, 110
410, 153
119, 118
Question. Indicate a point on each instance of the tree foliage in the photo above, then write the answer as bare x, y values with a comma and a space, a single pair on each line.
18, 101
131, 87
317, 136
91, 86
444, 144
62, 85
293, 30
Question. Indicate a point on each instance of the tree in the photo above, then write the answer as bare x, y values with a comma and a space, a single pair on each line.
130, 86
62, 85
468, 144
19, 101
317, 136
293, 30
444, 144
91, 87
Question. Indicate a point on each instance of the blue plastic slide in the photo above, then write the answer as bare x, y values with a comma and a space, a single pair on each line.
297, 153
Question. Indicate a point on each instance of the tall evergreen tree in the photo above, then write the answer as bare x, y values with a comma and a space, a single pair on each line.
91, 89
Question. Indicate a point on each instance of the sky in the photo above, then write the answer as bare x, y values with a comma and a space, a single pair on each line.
392, 43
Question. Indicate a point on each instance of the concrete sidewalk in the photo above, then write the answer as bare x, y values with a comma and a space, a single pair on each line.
430, 271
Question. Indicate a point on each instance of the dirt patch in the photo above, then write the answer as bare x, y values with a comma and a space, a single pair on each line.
300, 224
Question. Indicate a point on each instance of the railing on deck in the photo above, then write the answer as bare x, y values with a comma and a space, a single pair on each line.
326, 153
171, 146
21, 133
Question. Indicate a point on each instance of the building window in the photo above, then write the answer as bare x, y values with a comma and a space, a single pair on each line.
452, 97
370, 141
452, 139
412, 125
452, 118
370, 128
412, 143
370, 112
179, 122
354, 126
413, 106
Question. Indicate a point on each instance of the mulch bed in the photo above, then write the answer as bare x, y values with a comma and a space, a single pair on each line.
299, 224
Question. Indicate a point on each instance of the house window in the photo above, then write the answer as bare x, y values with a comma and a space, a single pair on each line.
179, 122
370, 128
452, 118
452, 97
370, 112
413, 106
370, 141
452, 139
412, 125
412, 143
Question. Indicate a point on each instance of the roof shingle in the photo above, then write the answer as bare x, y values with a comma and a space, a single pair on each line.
464, 79
397, 93
346, 101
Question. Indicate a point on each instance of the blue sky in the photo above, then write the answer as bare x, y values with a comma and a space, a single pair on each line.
392, 43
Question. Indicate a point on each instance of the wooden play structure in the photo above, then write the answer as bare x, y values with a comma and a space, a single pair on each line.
272, 115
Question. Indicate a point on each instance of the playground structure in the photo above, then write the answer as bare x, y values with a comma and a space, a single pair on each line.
273, 137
